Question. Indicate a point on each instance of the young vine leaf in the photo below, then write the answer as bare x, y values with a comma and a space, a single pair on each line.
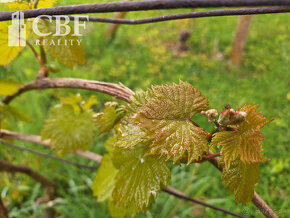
244, 143
7, 53
8, 87
119, 211
130, 134
73, 100
24, 5
68, 130
46, 3
109, 117
104, 181
140, 177
241, 178
166, 119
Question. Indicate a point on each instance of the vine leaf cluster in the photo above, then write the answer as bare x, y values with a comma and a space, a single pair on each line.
160, 122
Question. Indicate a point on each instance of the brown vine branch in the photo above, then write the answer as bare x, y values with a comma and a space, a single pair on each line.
5, 134
178, 194
48, 83
142, 5
50, 186
3, 210
195, 14
47, 155
35, 53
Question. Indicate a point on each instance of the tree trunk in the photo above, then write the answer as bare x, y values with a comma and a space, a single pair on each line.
239, 42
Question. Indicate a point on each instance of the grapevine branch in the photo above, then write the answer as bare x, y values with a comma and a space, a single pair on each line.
195, 14
115, 90
47, 155
50, 186
178, 194
5, 134
142, 6
47, 83
6, 166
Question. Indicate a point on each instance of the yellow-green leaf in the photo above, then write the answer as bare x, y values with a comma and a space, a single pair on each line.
7, 53
166, 119
175, 139
140, 177
67, 130
17, 4
107, 119
109, 144
118, 211
244, 143
46, 3
74, 100
90, 102
177, 101
8, 87
24, 5
104, 181
241, 178
67, 50
77, 102
128, 133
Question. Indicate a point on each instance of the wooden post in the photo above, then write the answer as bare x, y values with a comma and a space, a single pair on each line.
113, 27
239, 42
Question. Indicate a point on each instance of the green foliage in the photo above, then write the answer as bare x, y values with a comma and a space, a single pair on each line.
245, 142
119, 211
67, 130
130, 179
130, 134
109, 117
241, 178
140, 177
78, 103
8, 87
24, 4
7, 53
166, 118
104, 181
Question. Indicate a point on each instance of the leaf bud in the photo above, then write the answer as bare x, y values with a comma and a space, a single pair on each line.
211, 114
230, 116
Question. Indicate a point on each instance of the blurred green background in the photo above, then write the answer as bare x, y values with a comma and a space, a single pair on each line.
139, 56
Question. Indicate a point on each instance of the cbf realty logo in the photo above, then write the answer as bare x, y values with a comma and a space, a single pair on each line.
53, 33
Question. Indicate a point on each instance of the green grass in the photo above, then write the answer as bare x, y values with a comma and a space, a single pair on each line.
138, 57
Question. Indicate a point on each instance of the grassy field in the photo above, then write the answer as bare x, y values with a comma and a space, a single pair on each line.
143, 55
